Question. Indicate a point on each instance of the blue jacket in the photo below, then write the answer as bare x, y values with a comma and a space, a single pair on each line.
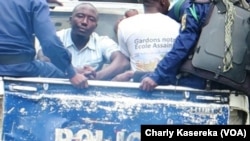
168, 68
20, 21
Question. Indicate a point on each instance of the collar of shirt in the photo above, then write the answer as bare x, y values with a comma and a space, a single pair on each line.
90, 45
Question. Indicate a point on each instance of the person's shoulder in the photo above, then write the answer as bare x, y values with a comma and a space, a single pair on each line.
131, 20
167, 18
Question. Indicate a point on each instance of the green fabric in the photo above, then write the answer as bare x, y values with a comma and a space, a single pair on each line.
177, 7
193, 12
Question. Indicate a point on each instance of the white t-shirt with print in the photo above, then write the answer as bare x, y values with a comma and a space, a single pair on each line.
146, 38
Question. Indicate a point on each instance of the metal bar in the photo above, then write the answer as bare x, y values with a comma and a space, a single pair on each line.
106, 84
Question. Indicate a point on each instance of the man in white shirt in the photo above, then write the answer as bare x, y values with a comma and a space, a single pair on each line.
146, 38
90, 49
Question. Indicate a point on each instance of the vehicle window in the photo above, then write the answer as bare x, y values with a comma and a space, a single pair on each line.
106, 25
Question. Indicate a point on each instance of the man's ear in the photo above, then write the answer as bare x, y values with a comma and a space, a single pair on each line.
165, 4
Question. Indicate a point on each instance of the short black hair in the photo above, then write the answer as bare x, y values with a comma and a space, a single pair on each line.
84, 4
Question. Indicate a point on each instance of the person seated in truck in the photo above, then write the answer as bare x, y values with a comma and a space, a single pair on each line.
146, 38
20, 20
88, 48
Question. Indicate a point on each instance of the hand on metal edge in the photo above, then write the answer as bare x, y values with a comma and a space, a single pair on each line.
147, 84
79, 81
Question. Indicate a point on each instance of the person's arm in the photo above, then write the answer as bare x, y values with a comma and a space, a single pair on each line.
168, 67
51, 45
128, 75
119, 63
125, 76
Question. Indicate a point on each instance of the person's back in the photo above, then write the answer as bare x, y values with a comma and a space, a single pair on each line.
147, 39
15, 37
20, 21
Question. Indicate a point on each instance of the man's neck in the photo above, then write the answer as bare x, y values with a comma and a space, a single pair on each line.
151, 10
79, 41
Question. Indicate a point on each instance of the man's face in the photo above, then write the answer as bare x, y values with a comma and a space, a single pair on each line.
84, 20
